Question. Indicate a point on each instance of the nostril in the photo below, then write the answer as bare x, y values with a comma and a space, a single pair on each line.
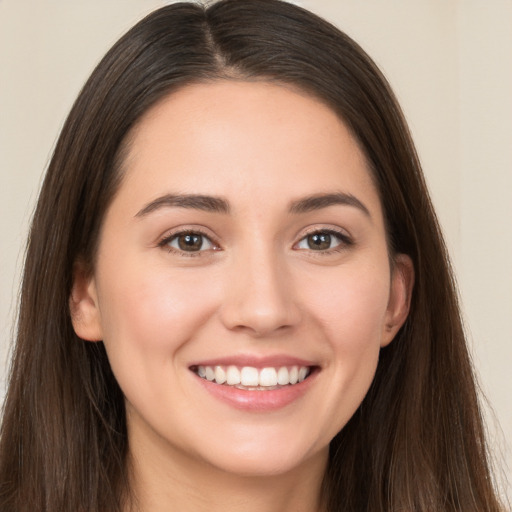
260, 319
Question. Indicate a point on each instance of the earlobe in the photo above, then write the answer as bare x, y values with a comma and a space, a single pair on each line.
402, 283
83, 305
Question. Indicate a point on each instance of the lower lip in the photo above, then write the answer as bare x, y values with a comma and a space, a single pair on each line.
258, 400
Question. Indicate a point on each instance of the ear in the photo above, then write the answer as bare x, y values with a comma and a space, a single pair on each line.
402, 282
83, 305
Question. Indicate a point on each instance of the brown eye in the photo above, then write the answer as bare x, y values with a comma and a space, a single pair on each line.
190, 242
323, 241
319, 241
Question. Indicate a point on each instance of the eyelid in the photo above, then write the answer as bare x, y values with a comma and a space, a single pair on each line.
165, 239
345, 239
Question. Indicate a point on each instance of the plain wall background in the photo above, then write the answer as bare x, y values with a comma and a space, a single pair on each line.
450, 64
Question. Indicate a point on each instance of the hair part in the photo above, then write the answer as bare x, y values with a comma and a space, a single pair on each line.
415, 443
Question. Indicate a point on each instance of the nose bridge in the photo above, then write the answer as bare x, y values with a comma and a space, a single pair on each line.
259, 291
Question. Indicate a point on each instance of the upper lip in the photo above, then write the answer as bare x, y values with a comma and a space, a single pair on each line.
255, 361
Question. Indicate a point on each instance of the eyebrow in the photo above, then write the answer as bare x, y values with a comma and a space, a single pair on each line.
319, 201
219, 205
191, 201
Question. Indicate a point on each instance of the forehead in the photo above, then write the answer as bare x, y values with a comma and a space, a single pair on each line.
253, 138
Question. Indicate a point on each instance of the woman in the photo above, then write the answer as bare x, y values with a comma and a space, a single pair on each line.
236, 293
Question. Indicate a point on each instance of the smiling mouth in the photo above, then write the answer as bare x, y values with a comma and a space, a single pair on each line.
254, 379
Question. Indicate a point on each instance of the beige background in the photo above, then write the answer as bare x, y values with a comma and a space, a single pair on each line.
450, 63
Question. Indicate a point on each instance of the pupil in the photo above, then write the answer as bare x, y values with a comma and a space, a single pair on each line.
319, 241
190, 242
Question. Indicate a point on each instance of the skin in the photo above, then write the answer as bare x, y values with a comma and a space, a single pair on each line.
257, 290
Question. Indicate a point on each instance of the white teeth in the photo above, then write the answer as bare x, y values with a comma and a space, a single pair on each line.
233, 375
220, 375
210, 374
268, 377
251, 377
283, 376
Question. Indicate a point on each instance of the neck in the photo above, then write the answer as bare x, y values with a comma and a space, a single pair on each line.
165, 482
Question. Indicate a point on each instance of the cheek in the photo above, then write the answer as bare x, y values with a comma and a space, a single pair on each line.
147, 318
350, 313
351, 307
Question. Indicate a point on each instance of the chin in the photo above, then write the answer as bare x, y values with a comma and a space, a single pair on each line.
266, 459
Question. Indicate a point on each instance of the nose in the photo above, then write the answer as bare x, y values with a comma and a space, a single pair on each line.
260, 296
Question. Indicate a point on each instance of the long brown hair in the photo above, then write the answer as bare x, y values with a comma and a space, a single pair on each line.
416, 442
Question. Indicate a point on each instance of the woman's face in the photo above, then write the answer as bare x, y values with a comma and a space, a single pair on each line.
247, 243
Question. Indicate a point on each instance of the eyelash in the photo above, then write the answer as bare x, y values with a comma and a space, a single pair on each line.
197, 232
344, 242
